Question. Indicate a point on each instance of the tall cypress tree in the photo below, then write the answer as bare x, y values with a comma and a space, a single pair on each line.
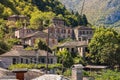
80, 20
84, 20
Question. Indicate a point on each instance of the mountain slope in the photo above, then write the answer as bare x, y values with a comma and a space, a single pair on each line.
98, 11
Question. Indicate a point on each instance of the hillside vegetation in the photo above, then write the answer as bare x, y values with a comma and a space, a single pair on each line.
48, 8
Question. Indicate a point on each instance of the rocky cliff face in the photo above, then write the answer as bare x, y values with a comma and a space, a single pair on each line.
98, 11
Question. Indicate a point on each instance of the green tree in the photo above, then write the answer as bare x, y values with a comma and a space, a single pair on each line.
40, 44
108, 75
80, 21
65, 58
41, 19
105, 47
84, 20
3, 47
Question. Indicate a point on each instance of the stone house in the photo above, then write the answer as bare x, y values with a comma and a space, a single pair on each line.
17, 18
75, 47
30, 38
19, 55
83, 33
82, 36
22, 32
58, 21
59, 30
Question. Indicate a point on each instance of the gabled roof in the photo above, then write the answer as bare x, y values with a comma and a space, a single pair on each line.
74, 43
38, 34
26, 53
84, 28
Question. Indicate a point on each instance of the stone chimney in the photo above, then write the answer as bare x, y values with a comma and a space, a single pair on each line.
77, 73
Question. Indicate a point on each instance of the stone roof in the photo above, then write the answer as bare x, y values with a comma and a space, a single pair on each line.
84, 28
25, 53
38, 34
51, 77
3, 72
30, 74
74, 43
96, 67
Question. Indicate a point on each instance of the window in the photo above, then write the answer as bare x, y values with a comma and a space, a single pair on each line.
34, 60
80, 32
58, 30
14, 60
90, 32
26, 61
64, 31
72, 50
86, 49
48, 61
51, 61
42, 60
79, 39
31, 60
83, 32
87, 32
68, 31
53, 41
21, 60
67, 49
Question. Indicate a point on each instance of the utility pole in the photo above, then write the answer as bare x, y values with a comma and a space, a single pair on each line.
37, 57
47, 52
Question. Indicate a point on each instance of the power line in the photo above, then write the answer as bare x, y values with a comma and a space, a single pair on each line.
82, 7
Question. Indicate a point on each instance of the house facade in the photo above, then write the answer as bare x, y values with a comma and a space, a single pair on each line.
83, 33
59, 30
30, 38
22, 32
18, 55
75, 47
18, 18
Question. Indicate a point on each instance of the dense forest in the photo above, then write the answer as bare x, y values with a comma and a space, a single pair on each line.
33, 8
